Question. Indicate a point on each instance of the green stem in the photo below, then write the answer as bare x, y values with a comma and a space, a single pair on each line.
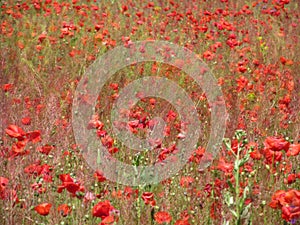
237, 187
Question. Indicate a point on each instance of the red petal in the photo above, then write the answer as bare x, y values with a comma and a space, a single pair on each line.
15, 132
34, 136
43, 209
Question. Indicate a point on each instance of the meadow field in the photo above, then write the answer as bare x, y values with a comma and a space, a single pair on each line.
235, 166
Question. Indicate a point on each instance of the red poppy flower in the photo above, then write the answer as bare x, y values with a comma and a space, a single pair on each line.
292, 197
15, 132
234, 146
64, 209
197, 155
42, 37
293, 150
46, 149
108, 220
242, 83
242, 69
69, 184
129, 192
43, 209
72, 187
276, 144
36, 169
33, 169
102, 209
162, 217
116, 194
7, 87
114, 86
182, 222
224, 166
113, 150
285, 61
288, 202
186, 181
95, 123
255, 155
18, 147
107, 141
290, 179
26, 120
3, 184
34, 136
208, 55
148, 198
99, 176
66, 178
271, 156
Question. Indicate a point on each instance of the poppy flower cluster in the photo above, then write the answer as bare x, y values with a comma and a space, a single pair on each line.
22, 138
106, 212
106, 140
288, 202
250, 47
273, 149
69, 184
44, 209
162, 217
37, 169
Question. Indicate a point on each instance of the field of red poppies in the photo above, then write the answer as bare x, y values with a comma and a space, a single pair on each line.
251, 47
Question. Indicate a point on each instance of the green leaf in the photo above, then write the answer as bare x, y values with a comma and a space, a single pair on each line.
228, 199
245, 212
241, 203
226, 222
233, 213
243, 161
239, 134
245, 192
227, 143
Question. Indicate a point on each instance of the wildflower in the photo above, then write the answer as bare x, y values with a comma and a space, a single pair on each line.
43, 209
162, 217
